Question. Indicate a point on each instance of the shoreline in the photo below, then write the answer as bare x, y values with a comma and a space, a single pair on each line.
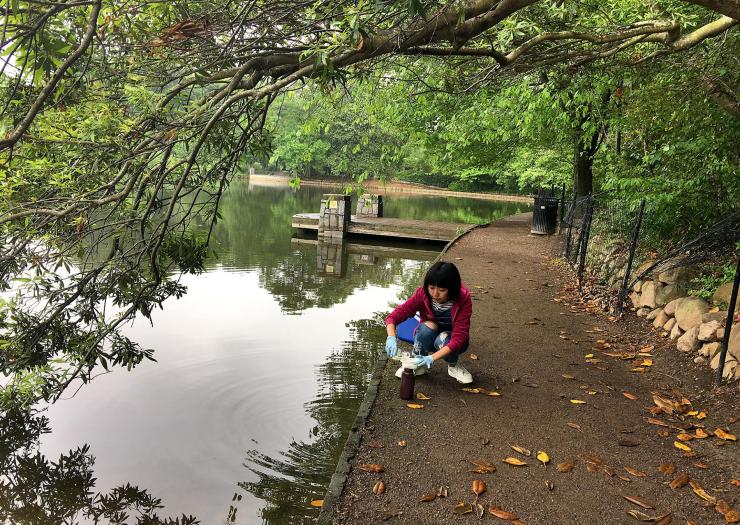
393, 186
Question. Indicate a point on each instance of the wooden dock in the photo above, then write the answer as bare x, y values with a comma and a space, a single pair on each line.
407, 229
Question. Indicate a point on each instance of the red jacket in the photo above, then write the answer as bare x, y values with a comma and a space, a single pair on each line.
462, 311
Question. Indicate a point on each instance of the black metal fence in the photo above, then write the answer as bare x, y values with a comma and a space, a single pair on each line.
603, 240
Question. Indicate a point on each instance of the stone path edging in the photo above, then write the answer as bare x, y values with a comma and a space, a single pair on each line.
339, 478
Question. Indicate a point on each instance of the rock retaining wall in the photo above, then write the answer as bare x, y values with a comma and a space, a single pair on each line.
697, 326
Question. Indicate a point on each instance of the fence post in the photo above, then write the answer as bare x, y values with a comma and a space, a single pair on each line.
728, 324
586, 232
562, 206
628, 270
572, 213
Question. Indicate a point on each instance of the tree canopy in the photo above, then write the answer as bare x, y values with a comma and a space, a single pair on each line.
122, 122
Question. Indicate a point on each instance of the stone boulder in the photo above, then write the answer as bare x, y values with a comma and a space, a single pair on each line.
670, 323
644, 266
635, 298
714, 316
689, 342
670, 307
733, 346
668, 293
660, 319
638, 286
729, 369
710, 349
643, 312
682, 273
676, 332
708, 331
648, 293
689, 312
653, 314
720, 334
722, 295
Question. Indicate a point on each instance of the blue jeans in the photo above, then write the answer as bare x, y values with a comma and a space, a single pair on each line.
428, 340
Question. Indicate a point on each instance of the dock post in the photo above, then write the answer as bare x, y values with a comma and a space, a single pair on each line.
334, 215
369, 205
331, 256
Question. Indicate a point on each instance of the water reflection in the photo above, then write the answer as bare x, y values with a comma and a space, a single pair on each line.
262, 366
35, 490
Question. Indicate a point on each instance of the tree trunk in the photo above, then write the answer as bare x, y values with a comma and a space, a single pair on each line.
583, 161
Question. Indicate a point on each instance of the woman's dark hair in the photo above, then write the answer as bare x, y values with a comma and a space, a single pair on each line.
444, 275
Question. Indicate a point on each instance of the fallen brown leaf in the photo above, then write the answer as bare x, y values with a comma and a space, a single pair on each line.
515, 462
635, 472
683, 436
722, 507
422, 397
564, 467
681, 481
549, 484
371, 467
628, 395
724, 435
699, 491
463, 508
502, 514
664, 404
654, 421
640, 516
732, 517
474, 357
379, 488
479, 511
414, 405
666, 519
521, 450
699, 464
317, 503
735, 482
681, 446
426, 498
573, 425
479, 487
442, 492
375, 444
402, 443
639, 501
483, 467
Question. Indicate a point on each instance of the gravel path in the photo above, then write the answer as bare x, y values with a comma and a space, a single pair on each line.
532, 339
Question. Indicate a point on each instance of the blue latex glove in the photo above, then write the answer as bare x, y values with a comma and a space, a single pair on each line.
424, 360
391, 345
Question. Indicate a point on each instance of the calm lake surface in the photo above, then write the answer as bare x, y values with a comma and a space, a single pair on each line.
261, 366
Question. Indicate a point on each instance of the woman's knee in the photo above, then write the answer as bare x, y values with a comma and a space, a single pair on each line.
431, 324
441, 340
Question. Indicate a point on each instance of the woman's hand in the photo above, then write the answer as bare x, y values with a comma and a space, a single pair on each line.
424, 360
391, 345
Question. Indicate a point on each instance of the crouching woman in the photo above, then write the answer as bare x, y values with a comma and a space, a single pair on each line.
444, 329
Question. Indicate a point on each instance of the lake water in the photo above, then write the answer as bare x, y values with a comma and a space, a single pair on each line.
261, 366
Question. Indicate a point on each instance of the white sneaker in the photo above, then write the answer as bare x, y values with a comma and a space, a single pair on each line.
422, 370
459, 372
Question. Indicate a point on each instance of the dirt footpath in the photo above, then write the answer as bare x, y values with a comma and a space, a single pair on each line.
556, 376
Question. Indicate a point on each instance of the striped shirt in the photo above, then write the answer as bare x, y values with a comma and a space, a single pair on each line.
443, 314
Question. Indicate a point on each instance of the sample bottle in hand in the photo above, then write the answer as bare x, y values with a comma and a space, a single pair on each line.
407, 384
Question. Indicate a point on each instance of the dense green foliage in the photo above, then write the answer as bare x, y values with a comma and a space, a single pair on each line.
123, 122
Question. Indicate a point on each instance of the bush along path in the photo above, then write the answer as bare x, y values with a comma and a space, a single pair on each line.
574, 418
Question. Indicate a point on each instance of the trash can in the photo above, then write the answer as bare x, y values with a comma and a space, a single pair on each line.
545, 215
